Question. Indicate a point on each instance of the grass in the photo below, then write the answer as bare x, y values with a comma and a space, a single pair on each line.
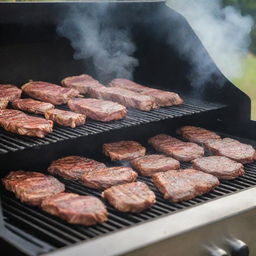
247, 83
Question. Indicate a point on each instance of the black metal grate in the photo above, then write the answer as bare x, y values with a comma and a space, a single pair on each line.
45, 233
11, 142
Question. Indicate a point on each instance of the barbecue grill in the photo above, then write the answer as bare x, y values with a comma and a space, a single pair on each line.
221, 222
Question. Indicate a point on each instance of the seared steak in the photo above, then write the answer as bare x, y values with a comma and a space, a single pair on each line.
66, 118
9, 92
181, 185
3, 103
219, 166
197, 134
48, 92
18, 122
13, 178
123, 150
76, 209
73, 167
180, 150
32, 106
32, 188
130, 197
82, 83
125, 97
163, 98
232, 149
107, 177
150, 164
100, 110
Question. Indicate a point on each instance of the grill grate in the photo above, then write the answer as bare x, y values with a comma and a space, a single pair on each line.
12, 142
46, 233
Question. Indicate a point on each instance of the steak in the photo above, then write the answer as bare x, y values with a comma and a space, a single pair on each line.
197, 134
76, 209
14, 177
18, 122
100, 110
66, 118
181, 185
130, 197
3, 103
219, 166
9, 92
125, 97
81, 83
150, 164
123, 150
180, 150
32, 188
73, 167
232, 149
32, 106
163, 98
107, 177
48, 92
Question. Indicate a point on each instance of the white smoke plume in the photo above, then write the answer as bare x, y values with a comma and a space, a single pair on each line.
93, 35
224, 32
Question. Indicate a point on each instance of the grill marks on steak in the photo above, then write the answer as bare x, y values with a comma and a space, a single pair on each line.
49, 92
9, 92
123, 150
107, 177
232, 149
73, 167
100, 110
151, 164
82, 83
197, 134
125, 97
32, 106
130, 197
181, 185
65, 118
219, 166
18, 122
180, 150
32, 188
76, 209
163, 98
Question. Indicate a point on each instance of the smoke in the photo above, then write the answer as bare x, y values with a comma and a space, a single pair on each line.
93, 35
224, 32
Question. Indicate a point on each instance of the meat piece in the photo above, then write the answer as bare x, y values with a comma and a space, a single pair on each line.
48, 92
219, 166
163, 98
32, 106
32, 188
82, 83
123, 150
76, 209
3, 103
232, 149
181, 185
100, 110
125, 97
18, 122
13, 178
66, 118
180, 150
197, 134
150, 164
73, 167
107, 177
9, 92
130, 197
